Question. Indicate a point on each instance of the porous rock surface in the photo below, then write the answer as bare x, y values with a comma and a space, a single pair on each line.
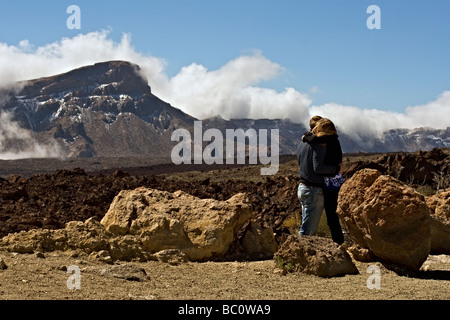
143, 222
314, 255
387, 217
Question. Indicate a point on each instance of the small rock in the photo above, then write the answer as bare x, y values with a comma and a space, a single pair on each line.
361, 254
102, 255
314, 255
126, 271
3, 265
281, 272
439, 205
259, 242
172, 256
147, 297
425, 267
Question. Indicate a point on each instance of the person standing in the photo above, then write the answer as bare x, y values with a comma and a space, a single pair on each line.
324, 131
311, 160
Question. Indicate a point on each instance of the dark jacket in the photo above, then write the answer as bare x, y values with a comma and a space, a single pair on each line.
334, 150
311, 159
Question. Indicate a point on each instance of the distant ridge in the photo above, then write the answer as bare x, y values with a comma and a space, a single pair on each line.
108, 110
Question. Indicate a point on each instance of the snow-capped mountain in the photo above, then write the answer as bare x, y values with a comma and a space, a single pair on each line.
416, 139
102, 110
108, 110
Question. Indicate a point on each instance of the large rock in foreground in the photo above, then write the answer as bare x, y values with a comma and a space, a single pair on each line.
201, 228
439, 205
387, 217
146, 224
314, 255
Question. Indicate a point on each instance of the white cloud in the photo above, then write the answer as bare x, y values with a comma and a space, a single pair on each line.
361, 123
24, 62
435, 114
314, 89
231, 92
18, 143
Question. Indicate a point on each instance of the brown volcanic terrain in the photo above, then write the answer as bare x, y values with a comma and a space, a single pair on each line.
34, 195
51, 198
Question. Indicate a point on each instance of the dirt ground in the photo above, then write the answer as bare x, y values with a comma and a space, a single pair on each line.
49, 277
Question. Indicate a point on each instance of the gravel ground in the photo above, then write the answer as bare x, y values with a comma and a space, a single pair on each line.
49, 277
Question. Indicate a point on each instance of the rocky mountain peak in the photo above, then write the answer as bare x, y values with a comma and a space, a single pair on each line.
106, 109
105, 78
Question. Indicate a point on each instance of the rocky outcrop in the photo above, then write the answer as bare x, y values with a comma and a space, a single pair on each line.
314, 255
201, 228
439, 205
259, 241
360, 254
387, 217
113, 77
88, 236
144, 224
421, 167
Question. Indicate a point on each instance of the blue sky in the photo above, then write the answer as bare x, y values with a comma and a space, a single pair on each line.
323, 47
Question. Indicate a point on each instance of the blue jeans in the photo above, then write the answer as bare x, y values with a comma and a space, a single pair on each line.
312, 202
